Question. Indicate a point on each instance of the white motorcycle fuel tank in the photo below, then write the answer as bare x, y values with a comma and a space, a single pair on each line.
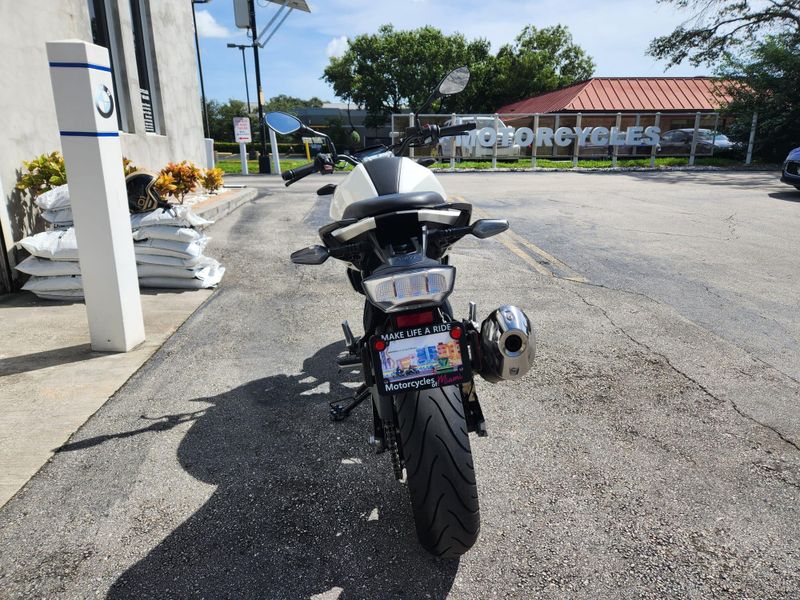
379, 176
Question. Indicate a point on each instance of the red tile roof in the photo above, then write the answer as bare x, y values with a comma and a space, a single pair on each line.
620, 94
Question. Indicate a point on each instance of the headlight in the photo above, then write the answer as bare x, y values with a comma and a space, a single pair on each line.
420, 287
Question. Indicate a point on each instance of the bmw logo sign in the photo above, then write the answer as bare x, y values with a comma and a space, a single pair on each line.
104, 101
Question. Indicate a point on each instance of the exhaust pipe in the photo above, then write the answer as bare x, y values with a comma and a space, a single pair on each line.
508, 344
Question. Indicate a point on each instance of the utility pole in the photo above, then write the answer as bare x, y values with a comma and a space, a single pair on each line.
206, 128
263, 159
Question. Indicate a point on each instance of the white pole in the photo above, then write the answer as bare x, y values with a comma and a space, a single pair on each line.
243, 156
576, 149
453, 140
276, 159
654, 147
752, 140
535, 137
694, 139
411, 124
209, 145
615, 148
85, 104
494, 149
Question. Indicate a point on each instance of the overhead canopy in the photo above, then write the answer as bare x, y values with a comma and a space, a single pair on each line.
621, 94
296, 4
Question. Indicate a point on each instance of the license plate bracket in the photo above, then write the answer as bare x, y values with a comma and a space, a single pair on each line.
424, 357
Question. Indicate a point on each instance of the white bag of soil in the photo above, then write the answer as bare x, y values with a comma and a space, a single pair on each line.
55, 245
177, 216
171, 248
58, 283
48, 268
174, 261
167, 232
54, 199
60, 216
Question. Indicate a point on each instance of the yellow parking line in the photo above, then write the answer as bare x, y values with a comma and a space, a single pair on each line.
572, 275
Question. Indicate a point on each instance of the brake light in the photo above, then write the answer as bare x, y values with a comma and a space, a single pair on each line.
414, 319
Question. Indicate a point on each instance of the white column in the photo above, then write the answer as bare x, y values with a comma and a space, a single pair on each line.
276, 158
243, 157
693, 149
453, 140
85, 108
576, 150
533, 145
615, 148
752, 141
209, 146
654, 147
494, 148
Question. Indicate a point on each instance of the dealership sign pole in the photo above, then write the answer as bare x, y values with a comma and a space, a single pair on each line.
83, 91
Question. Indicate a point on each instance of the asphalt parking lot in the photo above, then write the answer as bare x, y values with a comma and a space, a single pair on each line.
652, 453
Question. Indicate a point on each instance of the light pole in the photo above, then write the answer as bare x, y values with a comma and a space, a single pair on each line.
200, 67
244, 66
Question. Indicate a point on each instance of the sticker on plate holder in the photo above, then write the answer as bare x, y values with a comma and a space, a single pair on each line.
420, 358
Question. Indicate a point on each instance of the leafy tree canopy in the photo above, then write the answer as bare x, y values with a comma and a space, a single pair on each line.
764, 80
715, 27
393, 70
290, 104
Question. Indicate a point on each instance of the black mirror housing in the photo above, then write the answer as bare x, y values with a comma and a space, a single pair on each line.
313, 255
485, 228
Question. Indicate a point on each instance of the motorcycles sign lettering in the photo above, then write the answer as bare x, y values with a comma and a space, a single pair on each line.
563, 136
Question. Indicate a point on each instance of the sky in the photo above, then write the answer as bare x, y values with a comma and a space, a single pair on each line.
614, 32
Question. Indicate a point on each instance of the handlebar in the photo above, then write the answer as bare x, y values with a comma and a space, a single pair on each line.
457, 129
298, 173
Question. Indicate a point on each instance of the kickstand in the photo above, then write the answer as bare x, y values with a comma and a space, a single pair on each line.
340, 411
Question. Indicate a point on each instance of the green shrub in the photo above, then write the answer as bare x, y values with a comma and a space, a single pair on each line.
43, 173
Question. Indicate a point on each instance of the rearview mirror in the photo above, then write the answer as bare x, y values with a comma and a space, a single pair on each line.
485, 228
313, 255
454, 82
283, 123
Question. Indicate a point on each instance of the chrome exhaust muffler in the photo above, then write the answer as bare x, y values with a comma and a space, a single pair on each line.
508, 344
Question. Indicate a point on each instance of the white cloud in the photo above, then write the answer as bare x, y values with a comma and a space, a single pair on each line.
208, 27
337, 46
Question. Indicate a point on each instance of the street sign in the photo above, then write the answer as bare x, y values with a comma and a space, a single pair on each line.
241, 130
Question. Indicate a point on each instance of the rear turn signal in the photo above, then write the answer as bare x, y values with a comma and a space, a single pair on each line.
414, 319
379, 345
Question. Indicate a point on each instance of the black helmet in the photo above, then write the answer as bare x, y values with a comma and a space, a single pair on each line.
142, 194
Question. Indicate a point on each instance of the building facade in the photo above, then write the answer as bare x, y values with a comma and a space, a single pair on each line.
151, 46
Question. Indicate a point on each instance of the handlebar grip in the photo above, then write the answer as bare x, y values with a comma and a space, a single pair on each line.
297, 174
457, 129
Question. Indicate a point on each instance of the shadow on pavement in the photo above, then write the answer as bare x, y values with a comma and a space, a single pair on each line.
793, 196
301, 506
47, 358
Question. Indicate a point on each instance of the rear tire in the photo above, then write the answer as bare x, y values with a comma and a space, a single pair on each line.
439, 469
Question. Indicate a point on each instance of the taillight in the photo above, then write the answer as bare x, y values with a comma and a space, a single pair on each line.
406, 320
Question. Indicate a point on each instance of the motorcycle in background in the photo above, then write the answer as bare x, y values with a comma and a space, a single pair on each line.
393, 228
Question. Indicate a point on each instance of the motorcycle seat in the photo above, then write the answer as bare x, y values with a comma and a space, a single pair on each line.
379, 205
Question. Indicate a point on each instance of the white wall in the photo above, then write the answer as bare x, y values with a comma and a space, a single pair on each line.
26, 100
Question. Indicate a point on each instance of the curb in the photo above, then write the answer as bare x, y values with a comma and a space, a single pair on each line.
695, 169
217, 208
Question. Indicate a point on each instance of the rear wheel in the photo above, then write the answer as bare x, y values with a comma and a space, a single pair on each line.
439, 468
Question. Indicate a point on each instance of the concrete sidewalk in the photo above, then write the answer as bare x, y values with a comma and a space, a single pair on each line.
50, 380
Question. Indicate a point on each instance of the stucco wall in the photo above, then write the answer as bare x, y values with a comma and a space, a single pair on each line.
27, 117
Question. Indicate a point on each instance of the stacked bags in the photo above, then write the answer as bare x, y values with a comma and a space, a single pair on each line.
168, 243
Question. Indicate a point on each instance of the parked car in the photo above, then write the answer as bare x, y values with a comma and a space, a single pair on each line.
679, 142
791, 169
475, 150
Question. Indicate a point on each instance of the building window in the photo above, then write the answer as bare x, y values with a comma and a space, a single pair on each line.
143, 46
104, 35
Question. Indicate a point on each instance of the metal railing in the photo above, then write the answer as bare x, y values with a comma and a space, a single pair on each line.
539, 141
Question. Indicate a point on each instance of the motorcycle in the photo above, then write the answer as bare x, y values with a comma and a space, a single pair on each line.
393, 228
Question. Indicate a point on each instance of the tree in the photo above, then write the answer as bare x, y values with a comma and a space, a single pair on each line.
718, 26
290, 104
539, 61
392, 70
764, 80
220, 118
395, 70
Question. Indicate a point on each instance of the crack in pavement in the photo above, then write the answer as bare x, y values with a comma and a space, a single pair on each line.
689, 378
